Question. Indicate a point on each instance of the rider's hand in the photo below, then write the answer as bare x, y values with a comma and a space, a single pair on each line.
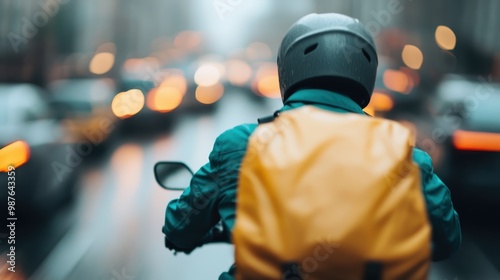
219, 234
216, 234
172, 247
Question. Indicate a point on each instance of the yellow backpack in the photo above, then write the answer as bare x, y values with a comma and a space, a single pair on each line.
324, 195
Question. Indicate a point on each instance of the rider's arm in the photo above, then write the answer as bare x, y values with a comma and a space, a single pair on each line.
194, 213
189, 219
446, 232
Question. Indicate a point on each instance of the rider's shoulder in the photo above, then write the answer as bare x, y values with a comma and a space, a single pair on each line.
235, 138
423, 159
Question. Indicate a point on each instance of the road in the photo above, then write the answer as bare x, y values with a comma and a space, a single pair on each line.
112, 230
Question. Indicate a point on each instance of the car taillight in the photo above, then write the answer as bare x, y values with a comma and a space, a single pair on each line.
476, 141
14, 154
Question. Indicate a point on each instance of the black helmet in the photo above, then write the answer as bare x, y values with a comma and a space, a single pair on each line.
328, 51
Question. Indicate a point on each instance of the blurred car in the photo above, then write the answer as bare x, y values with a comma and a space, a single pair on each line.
84, 108
138, 103
152, 95
468, 130
31, 141
203, 78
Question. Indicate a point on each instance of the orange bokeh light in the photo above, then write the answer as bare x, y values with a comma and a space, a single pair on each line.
128, 103
267, 81
381, 102
177, 81
209, 95
238, 72
398, 81
412, 57
14, 154
476, 141
269, 86
164, 99
101, 63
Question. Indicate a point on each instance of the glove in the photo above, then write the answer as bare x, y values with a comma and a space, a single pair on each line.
216, 234
219, 234
172, 247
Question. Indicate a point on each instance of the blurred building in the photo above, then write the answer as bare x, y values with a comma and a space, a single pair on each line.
47, 39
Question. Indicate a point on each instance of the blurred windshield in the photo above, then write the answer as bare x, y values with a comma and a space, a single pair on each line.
20, 104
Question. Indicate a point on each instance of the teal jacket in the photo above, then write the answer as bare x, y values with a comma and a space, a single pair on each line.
211, 196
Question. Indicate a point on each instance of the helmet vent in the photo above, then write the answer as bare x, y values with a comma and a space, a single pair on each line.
367, 55
310, 48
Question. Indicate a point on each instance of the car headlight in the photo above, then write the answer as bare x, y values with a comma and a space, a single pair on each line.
14, 154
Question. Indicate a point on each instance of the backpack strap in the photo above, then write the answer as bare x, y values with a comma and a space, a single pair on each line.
268, 119
373, 271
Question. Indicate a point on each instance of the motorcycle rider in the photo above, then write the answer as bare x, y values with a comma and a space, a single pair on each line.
332, 76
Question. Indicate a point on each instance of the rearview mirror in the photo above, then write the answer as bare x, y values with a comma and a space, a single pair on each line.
173, 175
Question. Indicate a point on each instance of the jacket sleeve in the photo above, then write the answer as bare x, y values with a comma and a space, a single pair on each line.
446, 232
190, 217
